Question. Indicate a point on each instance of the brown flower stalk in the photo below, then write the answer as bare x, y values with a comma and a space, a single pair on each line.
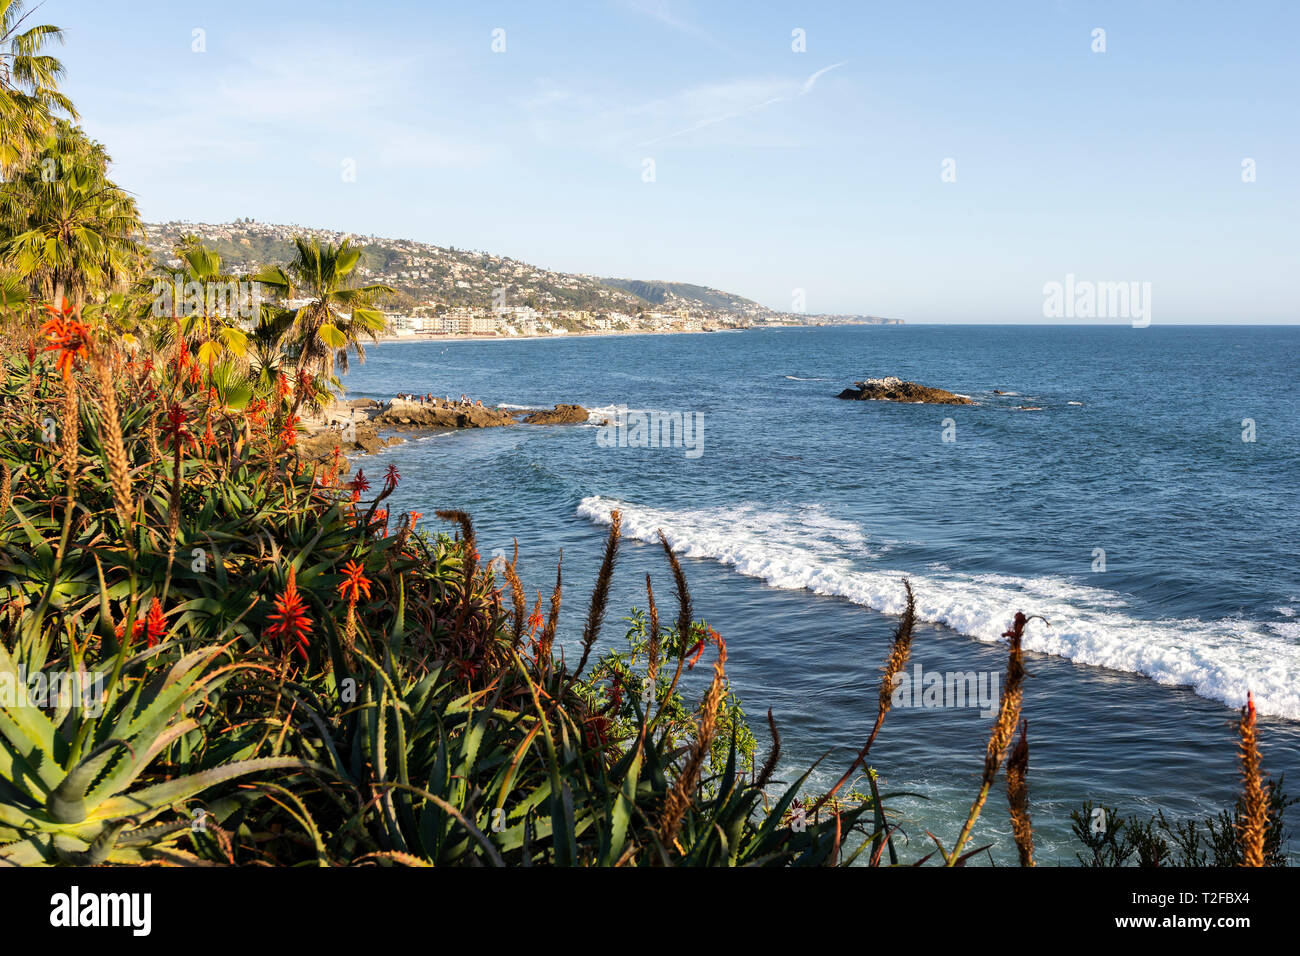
553, 618
71, 436
119, 472
1253, 825
518, 599
899, 651
468, 539
678, 800
600, 596
6, 493
685, 612
1003, 728
1018, 796
652, 646
773, 755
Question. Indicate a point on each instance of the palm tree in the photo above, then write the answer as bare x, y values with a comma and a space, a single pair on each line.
337, 314
68, 229
212, 328
13, 293
29, 96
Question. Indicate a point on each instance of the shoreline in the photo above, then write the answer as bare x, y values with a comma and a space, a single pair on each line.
442, 337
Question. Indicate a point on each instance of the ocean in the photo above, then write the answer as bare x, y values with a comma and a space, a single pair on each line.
1134, 487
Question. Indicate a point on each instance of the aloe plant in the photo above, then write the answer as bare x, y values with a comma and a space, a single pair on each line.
70, 789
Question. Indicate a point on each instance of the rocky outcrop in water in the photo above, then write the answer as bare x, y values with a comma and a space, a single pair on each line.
402, 413
893, 389
559, 415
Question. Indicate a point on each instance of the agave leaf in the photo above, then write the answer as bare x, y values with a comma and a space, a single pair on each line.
160, 795
623, 805
96, 853
33, 851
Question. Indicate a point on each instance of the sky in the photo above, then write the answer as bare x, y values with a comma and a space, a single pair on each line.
935, 162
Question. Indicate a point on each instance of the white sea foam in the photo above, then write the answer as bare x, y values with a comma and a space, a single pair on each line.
603, 413
796, 378
805, 548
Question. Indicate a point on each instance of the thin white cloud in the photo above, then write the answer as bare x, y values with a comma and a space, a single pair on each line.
761, 95
662, 12
812, 80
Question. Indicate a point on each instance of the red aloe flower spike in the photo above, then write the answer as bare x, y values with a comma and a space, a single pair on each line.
155, 623
359, 484
174, 431
68, 337
290, 620
391, 478
354, 583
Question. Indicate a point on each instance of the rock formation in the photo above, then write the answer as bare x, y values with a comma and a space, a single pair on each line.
896, 390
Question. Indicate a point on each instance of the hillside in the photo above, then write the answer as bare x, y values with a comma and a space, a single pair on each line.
426, 274
678, 295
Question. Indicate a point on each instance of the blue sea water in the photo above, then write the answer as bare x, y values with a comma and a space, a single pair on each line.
1127, 510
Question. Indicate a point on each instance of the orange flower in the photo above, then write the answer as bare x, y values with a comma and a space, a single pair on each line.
153, 627
155, 623
359, 484
209, 439
175, 432
256, 412
534, 621
290, 620
289, 433
68, 337
354, 583
696, 653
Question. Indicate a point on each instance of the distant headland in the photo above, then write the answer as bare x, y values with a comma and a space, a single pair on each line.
449, 292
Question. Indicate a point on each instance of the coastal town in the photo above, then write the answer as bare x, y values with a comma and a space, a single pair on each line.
444, 291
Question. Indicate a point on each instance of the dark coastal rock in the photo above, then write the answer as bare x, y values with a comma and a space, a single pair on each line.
401, 413
559, 415
363, 439
896, 390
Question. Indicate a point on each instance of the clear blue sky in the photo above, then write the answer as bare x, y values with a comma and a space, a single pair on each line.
1117, 166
